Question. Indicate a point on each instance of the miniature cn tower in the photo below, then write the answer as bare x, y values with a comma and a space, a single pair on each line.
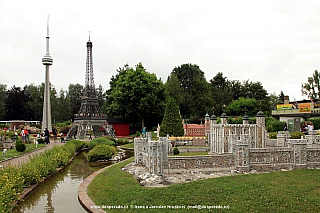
47, 61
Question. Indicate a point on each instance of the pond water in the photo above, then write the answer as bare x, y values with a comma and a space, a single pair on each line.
59, 193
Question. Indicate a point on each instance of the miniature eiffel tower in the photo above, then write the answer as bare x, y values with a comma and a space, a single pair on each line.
90, 121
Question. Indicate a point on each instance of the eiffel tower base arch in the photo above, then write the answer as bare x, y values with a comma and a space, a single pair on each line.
81, 129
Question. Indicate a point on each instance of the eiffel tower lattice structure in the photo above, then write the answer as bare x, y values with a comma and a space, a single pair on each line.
90, 121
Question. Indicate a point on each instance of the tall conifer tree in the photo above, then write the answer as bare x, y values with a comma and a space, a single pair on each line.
172, 122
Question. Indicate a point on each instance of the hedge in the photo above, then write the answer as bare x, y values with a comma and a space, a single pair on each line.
100, 141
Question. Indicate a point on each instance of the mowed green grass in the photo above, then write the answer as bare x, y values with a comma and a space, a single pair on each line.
129, 145
14, 153
292, 191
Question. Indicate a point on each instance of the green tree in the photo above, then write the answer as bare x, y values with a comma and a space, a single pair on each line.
16, 104
312, 87
3, 99
172, 121
136, 93
221, 92
74, 96
101, 95
236, 89
64, 108
254, 90
173, 88
35, 103
115, 112
55, 110
196, 93
274, 100
241, 106
281, 97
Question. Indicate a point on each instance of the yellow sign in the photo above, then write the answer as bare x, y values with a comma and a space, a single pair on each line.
284, 106
305, 107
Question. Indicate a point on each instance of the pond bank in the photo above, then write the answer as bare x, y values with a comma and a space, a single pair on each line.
83, 197
59, 192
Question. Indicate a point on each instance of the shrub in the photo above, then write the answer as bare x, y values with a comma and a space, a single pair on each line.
296, 135
101, 152
2, 126
252, 120
67, 123
11, 185
273, 135
111, 139
30, 173
65, 129
20, 147
121, 141
138, 134
315, 122
100, 141
40, 141
176, 151
273, 125
236, 120
79, 144
7, 134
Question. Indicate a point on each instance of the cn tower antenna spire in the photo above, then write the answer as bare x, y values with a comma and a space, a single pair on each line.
47, 61
48, 26
47, 38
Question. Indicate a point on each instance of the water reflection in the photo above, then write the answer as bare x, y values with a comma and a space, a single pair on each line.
60, 192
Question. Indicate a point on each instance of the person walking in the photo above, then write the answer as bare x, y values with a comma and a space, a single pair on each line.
310, 127
46, 136
144, 131
54, 132
26, 132
23, 135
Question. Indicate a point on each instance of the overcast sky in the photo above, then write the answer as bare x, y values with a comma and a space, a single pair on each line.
274, 42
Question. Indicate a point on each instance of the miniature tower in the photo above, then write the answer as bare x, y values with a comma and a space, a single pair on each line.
47, 61
90, 120
260, 130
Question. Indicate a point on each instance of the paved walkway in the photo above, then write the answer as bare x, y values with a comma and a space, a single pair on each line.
16, 161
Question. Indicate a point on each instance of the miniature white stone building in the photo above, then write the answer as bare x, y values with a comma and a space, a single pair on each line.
242, 147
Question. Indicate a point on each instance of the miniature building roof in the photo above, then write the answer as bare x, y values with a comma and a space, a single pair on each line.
213, 117
260, 114
191, 126
223, 115
9, 140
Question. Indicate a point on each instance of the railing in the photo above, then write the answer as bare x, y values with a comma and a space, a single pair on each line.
90, 115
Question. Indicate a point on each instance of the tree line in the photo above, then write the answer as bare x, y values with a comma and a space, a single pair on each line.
139, 96
26, 103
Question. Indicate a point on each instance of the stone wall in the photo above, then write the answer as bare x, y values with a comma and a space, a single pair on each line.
193, 149
204, 163
270, 159
313, 157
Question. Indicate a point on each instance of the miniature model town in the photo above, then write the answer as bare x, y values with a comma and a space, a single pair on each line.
233, 149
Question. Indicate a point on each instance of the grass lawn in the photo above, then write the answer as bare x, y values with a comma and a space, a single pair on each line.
292, 191
13, 152
190, 154
129, 145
